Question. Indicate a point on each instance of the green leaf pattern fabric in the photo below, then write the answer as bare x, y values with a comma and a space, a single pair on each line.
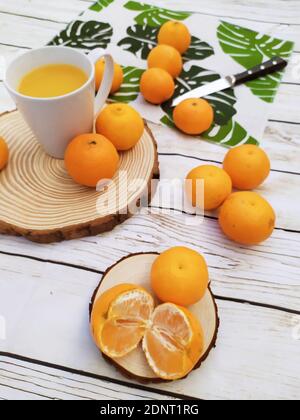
85, 35
100, 5
152, 15
130, 88
249, 48
222, 102
134, 37
140, 40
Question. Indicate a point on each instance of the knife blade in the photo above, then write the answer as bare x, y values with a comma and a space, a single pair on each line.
269, 67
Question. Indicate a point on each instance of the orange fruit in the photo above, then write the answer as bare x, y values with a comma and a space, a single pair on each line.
175, 34
247, 218
216, 183
193, 116
157, 86
174, 343
121, 124
167, 58
4, 153
180, 275
247, 165
119, 319
118, 75
90, 158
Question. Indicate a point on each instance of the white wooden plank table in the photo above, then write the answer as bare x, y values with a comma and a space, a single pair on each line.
257, 288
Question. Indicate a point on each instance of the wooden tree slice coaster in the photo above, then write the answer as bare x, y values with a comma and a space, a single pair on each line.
136, 269
38, 199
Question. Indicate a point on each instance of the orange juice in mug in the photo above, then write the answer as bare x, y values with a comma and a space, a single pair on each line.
54, 89
52, 80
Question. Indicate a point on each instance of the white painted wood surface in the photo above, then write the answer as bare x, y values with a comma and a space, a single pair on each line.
258, 287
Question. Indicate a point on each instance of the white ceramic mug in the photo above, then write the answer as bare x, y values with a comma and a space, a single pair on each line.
56, 121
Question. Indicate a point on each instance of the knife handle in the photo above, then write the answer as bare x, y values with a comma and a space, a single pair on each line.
271, 66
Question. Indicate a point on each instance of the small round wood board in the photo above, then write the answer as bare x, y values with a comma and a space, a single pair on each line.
136, 269
42, 203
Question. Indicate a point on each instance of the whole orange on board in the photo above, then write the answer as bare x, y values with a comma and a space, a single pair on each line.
121, 124
215, 187
157, 86
174, 343
180, 275
4, 153
247, 218
193, 116
247, 165
119, 319
90, 158
175, 34
167, 58
118, 75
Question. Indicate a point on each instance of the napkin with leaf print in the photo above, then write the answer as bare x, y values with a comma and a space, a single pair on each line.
129, 29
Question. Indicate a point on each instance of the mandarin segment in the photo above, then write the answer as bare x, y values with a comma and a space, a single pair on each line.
119, 319
174, 343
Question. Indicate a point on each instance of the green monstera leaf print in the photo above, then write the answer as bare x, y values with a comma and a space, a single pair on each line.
141, 40
231, 134
100, 5
130, 88
249, 48
199, 50
152, 15
85, 35
222, 102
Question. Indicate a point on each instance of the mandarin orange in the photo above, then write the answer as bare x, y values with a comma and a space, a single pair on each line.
90, 158
210, 184
121, 124
180, 275
247, 165
167, 58
4, 153
175, 34
118, 75
157, 86
193, 116
247, 218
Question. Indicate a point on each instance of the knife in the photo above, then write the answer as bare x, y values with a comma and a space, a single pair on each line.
271, 66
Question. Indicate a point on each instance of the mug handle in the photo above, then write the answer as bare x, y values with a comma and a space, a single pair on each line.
104, 90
